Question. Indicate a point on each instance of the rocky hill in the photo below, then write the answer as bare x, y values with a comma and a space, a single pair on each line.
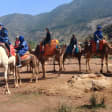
79, 16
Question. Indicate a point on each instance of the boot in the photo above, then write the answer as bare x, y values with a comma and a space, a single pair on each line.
19, 60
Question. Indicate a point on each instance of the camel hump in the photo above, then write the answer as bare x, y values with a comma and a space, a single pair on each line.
12, 50
51, 48
26, 56
101, 45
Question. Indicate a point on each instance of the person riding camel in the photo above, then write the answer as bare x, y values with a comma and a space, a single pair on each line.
47, 39
4, 37
73, 43
17, 42
21, 50
98, 35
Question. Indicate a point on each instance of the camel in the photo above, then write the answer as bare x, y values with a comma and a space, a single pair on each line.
57, 52
32, 61
74, 55
4, 62
102, 53
57, 58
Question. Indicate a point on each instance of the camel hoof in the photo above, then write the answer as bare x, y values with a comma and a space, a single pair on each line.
101, 71
20, 83
7, 92
36, 81
31, 80
16, 86
108, 72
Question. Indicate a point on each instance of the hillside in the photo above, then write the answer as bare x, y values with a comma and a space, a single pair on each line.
79, 16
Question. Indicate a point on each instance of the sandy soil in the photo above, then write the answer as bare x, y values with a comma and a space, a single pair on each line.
46, 95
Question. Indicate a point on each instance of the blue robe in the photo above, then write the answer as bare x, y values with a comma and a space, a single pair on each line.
4, 36
23, 46
98, 35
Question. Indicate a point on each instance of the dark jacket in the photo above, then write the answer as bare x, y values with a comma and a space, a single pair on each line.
47, 39
73, 42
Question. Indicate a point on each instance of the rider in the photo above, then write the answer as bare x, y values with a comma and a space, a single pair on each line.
73, 43
4, 37
17, 42
47, 39
98, 35
22, 49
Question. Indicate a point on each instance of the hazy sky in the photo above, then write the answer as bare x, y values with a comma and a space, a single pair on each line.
29, 6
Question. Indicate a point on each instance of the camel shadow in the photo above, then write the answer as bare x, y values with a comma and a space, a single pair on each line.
107, 74
1, 74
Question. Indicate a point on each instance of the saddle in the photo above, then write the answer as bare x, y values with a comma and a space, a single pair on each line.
101, 44
72, 51
12, 50
50, 49
26, 56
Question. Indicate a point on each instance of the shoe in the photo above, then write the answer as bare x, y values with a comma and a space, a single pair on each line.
19, 65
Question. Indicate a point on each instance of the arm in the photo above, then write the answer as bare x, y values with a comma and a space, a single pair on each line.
20, 47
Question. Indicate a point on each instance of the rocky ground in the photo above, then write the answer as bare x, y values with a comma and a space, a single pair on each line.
71, 90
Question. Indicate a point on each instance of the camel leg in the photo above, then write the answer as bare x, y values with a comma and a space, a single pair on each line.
27, 68
102, 59
64, 62
43, 68
79, 60
54, 65
60, 64
36, 74
19, 76
15, 76
88, 64
37, 71
7, 91
31, 80
106, 58
38, 67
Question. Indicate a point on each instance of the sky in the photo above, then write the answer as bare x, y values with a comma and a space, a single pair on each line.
29, 6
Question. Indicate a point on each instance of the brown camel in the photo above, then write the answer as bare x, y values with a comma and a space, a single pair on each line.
43, 58
74, 55
102, 53
32, 61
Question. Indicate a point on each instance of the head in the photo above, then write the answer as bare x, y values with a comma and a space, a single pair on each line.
47, 30
21, 38
17, 37
73, 35
1, 26
99, 28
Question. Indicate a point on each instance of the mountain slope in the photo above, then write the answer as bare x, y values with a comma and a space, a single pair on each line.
77, 16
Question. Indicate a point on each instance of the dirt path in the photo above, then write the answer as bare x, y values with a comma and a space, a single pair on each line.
47, 94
